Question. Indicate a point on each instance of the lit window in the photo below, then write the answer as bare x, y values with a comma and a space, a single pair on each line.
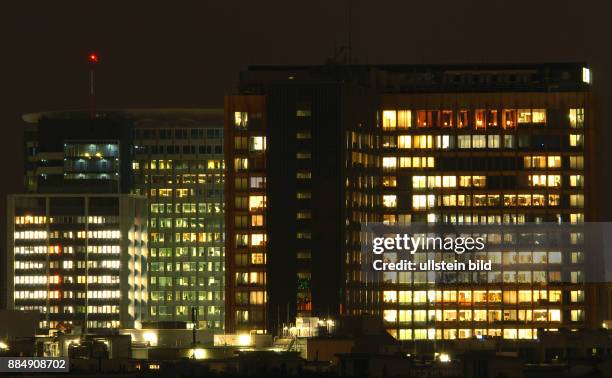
539, 116
493, 141
554, 161
421, 201
586, 75
422, 141
390, 296
479, 141
576, 140
447, 118
443, 142
576, 162
389, 162
462, 119
241, 163
524, 116
389, 181
480, 119
464, 141
257, 203
577, 200
390, 200
258, 240
390, 316
577, 181
389, 119
404, 141
404, 119
257, 143
419, 182
509, 118
576, 117
240, 120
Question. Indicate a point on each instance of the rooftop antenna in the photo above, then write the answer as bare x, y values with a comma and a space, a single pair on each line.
93, 61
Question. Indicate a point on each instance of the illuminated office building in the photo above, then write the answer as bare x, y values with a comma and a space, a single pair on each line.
314, 152
178, 165
173, 158
79, 259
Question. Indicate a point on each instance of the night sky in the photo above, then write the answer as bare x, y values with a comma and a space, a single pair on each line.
188, 54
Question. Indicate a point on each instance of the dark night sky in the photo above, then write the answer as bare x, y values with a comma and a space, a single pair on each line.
188, 54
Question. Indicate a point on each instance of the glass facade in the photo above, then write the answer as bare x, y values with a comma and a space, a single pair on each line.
180, 170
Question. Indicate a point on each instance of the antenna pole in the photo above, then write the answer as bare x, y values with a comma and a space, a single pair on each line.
93, 60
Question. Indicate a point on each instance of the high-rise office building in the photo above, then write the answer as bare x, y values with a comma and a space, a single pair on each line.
77, 241
79, 259
314, 152
178, 165
170, 158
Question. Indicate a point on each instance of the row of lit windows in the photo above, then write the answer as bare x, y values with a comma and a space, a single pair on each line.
491, 200
105, 279
181, 165
507, 276
479, 296
480, 118
184, 311
506, 257
465, 333
185, 281
187, 208
104, 249
186, 237
186, 267
104, 264
391, 162
103, 324
169, 179
31, 250
31, 235
101, 234
189, 295
187, 251
406, 316
103, 294
182, 223
105, 309
463, 142
31, 294
29, 265
468, 218
96, 234
31, 280
28, 219
430, 201
178, 193
421, 182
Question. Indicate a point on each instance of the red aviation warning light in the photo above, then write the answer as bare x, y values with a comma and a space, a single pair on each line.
93, 58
